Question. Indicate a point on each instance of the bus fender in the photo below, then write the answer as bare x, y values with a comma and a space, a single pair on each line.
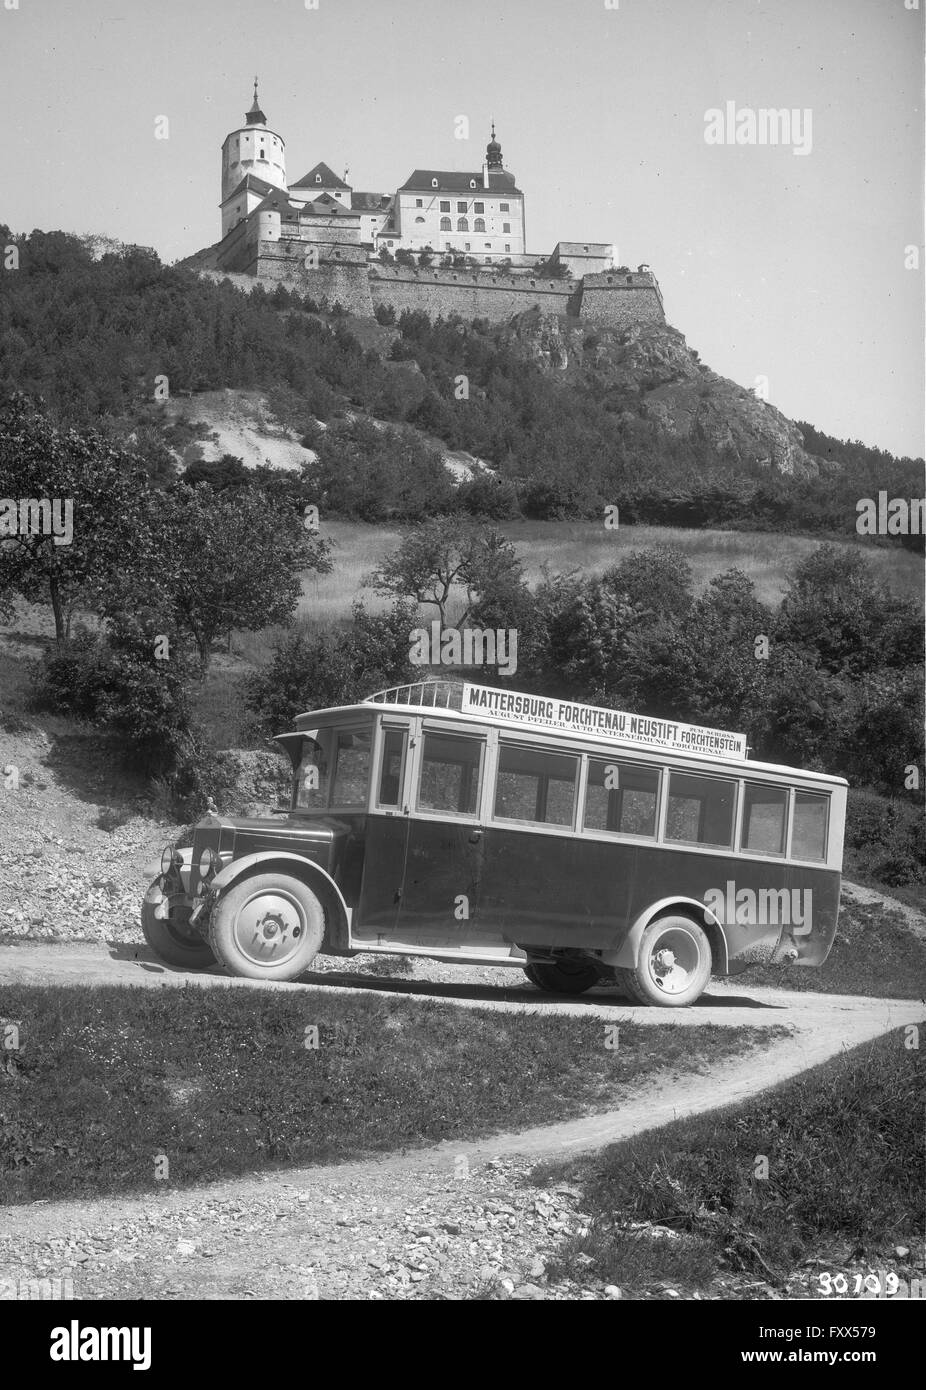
336, 932
624, 957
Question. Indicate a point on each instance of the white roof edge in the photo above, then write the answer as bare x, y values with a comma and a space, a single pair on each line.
572, 736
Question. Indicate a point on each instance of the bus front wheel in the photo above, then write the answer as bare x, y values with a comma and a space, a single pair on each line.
565, 977
267, 927
673, 964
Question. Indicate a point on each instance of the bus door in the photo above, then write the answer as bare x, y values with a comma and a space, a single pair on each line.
386, 838
442, 867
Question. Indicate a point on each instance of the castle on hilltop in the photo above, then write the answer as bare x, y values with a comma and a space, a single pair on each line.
444, 242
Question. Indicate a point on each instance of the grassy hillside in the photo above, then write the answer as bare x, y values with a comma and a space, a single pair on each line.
766, 557
571, 420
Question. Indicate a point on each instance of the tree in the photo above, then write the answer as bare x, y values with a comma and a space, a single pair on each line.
95, 493
226, 472
378, 474
835, 607
311, 669
404, 256
219, 561
551, 270
441, 555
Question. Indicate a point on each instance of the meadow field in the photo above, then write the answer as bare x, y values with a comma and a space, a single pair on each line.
767, 557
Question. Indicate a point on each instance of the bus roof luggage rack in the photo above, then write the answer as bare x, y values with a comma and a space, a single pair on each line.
433, 694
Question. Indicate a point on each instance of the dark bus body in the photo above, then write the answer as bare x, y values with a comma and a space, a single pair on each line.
418, 828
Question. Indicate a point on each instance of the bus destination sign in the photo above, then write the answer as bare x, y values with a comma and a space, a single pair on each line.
549, 713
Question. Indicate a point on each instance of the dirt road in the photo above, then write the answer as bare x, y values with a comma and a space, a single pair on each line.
428, 1223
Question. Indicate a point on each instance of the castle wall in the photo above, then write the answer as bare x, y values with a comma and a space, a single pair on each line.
617, 300
612, 299
283, 263
444, 292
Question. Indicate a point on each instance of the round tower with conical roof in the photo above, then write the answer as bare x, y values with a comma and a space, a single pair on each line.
253, 157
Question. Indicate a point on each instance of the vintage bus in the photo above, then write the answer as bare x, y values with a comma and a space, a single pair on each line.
458, 821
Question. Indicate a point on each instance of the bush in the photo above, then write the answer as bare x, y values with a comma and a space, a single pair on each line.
884, 839
117, 683
384, 314
333, 666
488, 495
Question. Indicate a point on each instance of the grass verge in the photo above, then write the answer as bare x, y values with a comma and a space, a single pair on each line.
845, 1147
875, 954
222, 1082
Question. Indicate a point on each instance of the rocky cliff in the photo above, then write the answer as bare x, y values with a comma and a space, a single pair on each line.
651, 372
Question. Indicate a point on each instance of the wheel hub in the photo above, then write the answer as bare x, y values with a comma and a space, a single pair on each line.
674, 960
269, 928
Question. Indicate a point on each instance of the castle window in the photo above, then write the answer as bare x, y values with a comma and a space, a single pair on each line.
488, 260
472, 183
445, 224
488, 246
445, 205
419, 219
507, 246
506, 227
419, 203
461, 207
479, 225
434, 183
466, 246
479, 207
462, 224
504, 207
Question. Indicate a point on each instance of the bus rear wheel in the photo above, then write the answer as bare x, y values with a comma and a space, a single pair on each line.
673, 964
565, 977
267, 927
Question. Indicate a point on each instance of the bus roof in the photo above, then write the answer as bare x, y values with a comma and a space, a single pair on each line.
566, 720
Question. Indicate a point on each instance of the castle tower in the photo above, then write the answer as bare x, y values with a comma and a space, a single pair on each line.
253, 163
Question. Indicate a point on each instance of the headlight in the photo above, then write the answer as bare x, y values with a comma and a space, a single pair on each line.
169, 858
206, 862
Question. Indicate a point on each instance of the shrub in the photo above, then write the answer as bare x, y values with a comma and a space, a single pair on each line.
333, 666
118, 684
884, 839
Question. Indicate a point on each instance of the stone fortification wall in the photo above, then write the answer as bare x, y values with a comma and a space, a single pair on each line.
347, 284
611, 298
617, 300
471, 295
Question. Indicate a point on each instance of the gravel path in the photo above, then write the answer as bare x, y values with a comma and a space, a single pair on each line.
434, 1223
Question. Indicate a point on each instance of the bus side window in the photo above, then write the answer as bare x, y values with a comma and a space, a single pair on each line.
534, 785
390, 773
765, 819
700, 810
808, 839
451, 774
621, 797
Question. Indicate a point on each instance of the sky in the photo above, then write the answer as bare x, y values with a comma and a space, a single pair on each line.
796, 267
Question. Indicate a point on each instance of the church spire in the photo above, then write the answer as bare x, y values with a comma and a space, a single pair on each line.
255, 116
494, 152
